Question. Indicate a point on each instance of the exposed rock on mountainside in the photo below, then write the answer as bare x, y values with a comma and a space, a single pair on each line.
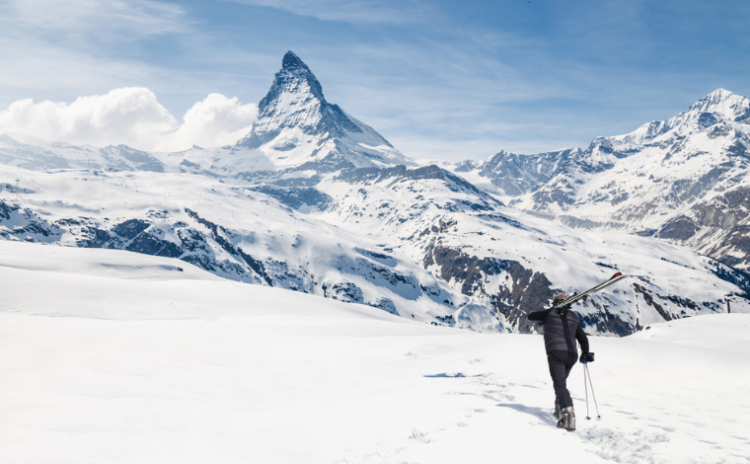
719, 227
280, 248
513, 174
524, 292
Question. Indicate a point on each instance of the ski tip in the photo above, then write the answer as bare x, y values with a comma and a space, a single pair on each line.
617, 274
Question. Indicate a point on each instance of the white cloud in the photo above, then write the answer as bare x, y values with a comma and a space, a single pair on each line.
215, 121
132, 116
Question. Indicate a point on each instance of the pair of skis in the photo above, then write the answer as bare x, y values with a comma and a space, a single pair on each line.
580, 296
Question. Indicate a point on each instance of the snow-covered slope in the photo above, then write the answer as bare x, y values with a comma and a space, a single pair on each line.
513, 263
121, 358
420, 243
47, 156
234, 232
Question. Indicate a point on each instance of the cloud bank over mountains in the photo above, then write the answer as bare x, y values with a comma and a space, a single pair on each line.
132, 116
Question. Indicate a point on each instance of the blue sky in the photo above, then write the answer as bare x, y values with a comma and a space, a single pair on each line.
440, 79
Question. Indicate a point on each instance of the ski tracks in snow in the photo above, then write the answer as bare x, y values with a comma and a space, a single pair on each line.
518, 416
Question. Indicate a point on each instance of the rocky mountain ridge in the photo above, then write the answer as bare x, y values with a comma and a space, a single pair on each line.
509, 175
683, 180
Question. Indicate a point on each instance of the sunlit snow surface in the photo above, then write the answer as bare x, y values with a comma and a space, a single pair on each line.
109, 356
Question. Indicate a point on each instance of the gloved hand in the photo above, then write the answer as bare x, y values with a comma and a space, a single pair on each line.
586, 358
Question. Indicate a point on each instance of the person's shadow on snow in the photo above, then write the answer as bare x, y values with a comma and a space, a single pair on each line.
539, 413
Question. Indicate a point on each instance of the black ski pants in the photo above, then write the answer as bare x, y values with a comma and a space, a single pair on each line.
560, 364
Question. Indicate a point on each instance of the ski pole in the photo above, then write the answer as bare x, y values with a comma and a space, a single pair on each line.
598, 416
586, 389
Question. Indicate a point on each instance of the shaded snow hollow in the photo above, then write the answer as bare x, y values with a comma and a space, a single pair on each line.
109, 356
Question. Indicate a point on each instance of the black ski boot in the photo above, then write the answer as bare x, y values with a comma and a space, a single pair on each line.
567, 419
557, 414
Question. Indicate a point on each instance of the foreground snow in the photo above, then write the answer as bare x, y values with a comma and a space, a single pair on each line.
108, 356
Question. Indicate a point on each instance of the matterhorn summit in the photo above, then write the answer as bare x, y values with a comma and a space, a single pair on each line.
298, 128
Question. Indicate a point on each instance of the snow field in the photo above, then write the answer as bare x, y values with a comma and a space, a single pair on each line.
259, 224
108, 356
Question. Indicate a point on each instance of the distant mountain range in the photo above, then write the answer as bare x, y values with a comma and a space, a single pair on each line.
685, 180
316, 201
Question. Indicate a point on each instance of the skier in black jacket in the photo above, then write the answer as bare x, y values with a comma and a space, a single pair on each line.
561, 330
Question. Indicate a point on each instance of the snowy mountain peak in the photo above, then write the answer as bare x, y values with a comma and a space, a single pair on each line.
295, 77
719, 95
714, 115
719, 107
724, 103
297, 127
291, 60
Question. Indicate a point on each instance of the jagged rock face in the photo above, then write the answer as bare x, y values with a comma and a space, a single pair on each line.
666, 179
296, 100
719, 227
298, 128
524, 292
514, 174
517, 174
26, 225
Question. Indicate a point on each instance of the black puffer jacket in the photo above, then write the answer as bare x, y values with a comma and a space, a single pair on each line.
561, 330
